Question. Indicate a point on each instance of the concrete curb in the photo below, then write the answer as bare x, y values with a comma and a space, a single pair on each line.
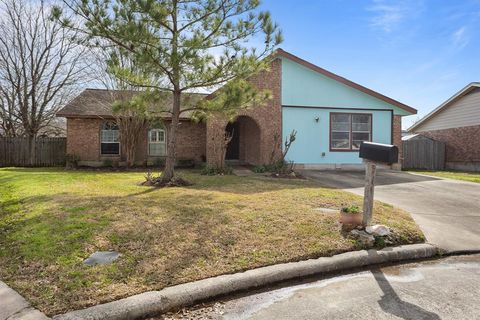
156, 302
13, 306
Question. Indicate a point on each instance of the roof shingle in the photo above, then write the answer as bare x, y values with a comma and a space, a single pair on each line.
97, 103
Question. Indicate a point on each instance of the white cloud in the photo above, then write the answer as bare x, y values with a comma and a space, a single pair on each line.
390, 14
460, 37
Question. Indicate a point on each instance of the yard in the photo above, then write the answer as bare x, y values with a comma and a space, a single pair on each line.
52, 219
457, 175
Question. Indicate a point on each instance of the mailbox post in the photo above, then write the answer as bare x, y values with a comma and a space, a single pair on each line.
373, 154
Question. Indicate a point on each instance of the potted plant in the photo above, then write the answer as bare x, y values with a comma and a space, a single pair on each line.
351, 215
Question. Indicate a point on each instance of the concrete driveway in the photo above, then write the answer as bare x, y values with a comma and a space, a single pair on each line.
447, 211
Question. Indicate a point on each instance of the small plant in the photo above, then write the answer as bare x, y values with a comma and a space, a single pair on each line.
282, 167
71, 161
159, 162
353, 209
379, 242
150, 177
153, 180
209, 170
107, 163
260, 169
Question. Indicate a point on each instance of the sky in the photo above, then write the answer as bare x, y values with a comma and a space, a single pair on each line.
417, 52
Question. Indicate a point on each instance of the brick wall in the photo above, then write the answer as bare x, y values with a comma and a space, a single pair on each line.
462, 146
268, 118
83, 140
191, 141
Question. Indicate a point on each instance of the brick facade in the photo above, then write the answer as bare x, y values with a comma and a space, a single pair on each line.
260, 129
462, 146
83, 140
191, 141
256, 146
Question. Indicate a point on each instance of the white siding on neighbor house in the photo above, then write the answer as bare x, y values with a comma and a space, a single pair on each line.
461, 113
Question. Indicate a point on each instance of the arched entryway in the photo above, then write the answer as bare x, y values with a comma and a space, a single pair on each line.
245, 144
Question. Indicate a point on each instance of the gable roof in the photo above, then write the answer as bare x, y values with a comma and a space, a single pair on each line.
457, 96
93, 103
97, 103
331, 75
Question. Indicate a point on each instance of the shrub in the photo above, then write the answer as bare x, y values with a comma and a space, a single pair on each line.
260, 169
71, 160
280, 167
159, 162
107, 163
209, 170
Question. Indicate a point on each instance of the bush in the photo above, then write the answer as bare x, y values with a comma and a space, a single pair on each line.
213, 171
71, 160
260, 169
107, 163
159, 162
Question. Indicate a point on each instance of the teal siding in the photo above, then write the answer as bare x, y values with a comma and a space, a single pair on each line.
306, 95
302, 86
313, 137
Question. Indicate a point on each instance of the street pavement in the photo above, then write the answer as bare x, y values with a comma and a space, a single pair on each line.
447, 288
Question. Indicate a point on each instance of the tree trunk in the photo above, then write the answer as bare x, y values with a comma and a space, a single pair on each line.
130, 156
168, 172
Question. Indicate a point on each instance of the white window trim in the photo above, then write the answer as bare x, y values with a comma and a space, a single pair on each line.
351, 131
101, 142
164, 142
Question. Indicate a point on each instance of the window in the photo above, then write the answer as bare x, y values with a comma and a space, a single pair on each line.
157, 142
348, 130
109, 134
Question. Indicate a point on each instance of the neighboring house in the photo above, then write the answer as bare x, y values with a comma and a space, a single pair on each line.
331, 115
456, 122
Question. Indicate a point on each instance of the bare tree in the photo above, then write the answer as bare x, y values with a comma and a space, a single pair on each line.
41, 65
130, 104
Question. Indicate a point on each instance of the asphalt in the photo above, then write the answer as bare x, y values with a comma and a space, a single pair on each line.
440, 289
447, 211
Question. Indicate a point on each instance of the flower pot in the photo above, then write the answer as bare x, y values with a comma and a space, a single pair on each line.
354, 219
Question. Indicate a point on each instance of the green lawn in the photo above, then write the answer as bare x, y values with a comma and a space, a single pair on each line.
52, 219
458, 175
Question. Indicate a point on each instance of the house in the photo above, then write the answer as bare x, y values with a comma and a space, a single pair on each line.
456, 122
331, 115
93, 136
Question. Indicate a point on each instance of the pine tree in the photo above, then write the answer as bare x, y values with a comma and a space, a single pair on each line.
183, 46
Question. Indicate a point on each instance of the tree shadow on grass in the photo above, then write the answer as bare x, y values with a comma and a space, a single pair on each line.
227, 183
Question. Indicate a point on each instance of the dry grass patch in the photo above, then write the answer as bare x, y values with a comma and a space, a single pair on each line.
52, 219
457, 175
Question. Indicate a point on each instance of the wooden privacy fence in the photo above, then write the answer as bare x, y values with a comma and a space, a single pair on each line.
48, 152
423, 153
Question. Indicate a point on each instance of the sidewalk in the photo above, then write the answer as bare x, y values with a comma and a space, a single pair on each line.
13, 306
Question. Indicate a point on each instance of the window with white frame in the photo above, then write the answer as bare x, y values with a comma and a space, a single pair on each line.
348, 130
109, 139
157, 142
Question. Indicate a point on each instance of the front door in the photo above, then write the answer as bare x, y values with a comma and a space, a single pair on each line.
233, 148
